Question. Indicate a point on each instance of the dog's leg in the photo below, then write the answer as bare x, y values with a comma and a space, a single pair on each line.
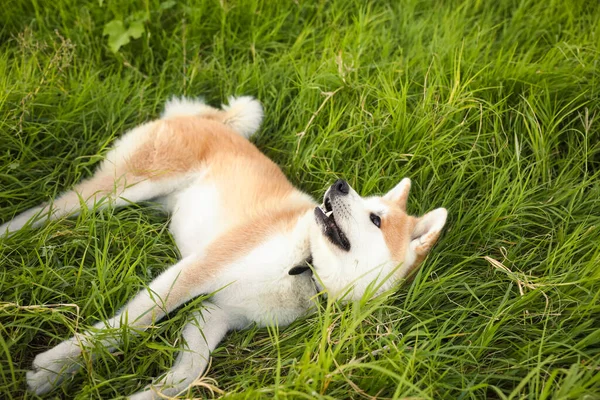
114, 183
100, 191
182, 282
202, 333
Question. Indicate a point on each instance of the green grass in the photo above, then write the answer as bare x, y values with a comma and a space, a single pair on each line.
492, 108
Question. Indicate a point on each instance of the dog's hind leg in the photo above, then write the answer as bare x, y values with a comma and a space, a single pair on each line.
115, 183
203, 332
97, 192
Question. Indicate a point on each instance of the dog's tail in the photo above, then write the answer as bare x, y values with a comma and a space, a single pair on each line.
242, 114
180, 107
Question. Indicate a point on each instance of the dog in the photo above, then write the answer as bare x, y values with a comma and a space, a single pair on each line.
262, 248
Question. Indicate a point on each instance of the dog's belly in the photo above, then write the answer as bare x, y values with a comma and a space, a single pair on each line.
197, 217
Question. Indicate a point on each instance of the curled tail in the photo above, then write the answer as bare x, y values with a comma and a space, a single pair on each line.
242, 114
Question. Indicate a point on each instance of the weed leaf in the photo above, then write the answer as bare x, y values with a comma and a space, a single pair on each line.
118, 36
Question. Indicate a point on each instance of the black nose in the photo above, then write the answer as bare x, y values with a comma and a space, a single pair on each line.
341, 186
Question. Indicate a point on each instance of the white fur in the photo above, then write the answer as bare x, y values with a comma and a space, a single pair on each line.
182, 107
244, 115
195, 227
254, 288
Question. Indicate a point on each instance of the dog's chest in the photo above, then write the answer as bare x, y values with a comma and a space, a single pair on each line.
258, 287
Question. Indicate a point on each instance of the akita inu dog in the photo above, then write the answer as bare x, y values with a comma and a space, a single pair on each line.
263, 247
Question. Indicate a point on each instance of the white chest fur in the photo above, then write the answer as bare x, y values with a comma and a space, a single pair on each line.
258, 287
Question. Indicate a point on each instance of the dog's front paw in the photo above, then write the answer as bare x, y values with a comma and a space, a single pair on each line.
42, 381
51, 367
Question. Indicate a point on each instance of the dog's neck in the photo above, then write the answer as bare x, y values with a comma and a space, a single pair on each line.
302, 267
308, 227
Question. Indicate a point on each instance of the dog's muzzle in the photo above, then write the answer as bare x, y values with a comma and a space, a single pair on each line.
325, 215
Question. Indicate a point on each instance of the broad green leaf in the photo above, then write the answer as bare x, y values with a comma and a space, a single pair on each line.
136, 29
118, 36
113, 28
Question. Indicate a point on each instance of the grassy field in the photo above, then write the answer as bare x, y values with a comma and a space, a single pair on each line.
492, 108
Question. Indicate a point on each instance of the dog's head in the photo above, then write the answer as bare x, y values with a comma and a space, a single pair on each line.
360, 241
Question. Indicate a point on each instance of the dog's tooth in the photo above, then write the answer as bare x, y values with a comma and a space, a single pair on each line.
329, 214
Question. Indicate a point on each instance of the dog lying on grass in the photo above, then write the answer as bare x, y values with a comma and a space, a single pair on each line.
263, 247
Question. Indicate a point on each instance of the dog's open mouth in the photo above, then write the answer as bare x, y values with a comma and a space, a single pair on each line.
325, 217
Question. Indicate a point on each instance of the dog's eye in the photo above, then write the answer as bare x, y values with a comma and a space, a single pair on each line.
376, 220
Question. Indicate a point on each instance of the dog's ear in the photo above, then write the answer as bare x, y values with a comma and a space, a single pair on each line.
426, 231
399, 194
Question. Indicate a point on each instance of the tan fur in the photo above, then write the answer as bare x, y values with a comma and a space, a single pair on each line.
234, 165
403, 199
104, 183
396, 227
232, 245
180, 144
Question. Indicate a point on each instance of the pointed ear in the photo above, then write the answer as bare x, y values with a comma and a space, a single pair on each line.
427, 230
399, 194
